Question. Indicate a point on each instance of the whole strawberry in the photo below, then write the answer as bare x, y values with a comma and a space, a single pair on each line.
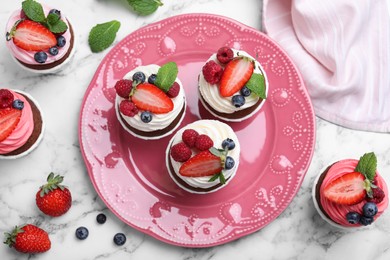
53, 199
28, 239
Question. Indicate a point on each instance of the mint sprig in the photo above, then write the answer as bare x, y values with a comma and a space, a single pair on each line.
256, 84
219, 176
33, 10
103, 35
145, 7
166, 76
55, 24
367, 166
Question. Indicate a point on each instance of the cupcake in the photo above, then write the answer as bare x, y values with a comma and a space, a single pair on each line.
203, 156
21, 124
150, 101
39, 38
350, 193
232, 85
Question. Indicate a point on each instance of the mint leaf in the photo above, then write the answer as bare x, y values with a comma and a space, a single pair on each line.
145, 7
103, 35
215, 176
58, 27
222, 179
53, 18
257, 85
166, 76
367, 165
33, 10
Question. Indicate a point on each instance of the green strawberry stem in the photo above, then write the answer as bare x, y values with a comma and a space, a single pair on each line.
53, 182
10, 238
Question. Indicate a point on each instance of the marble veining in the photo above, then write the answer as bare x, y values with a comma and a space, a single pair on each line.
298, 233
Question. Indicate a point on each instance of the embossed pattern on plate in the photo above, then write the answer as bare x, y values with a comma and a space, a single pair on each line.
129, 174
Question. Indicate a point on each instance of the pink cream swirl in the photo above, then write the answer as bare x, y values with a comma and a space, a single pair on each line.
23, 130
28, 56
338, 212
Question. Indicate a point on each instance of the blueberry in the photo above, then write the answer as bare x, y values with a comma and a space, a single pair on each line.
370, 209
245, 91
353, 217
40, 57
55, 11
146, 116
119, 239
365, 221
139, 77
229, 143
152, 79
101, 218
18, 104
238, 100
61, 41
229, 163
82, 233
53, 51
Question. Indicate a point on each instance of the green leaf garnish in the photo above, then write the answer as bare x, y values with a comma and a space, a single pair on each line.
219, 176
33, 10
166, 76
367, 166
55, 24
103, 35
215, 176
257, 85
53, 18
145, 7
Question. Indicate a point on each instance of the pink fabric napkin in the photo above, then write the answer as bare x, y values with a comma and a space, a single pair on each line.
342, 49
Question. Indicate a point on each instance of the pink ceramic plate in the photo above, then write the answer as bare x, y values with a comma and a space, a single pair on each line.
130, 174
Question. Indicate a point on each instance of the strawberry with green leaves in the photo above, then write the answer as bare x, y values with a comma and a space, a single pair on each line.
53, 198
28, 239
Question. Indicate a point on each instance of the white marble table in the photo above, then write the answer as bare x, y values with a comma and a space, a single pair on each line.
298, 233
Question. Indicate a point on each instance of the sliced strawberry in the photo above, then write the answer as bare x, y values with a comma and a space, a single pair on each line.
33, 36
150, 98
348, 189
236, 74
202, 164
9, 119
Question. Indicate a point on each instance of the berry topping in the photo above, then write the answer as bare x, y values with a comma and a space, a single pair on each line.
180, 152
9, 119
139, 77
377, 195
32, 36
53, 198
6, 98
82, 233
151, 98
238, 100
202, 164
236, 75
212, 72
55, 11
61, 41
146, 116
224, 55
189, 137
245, 91
119, 239
229, 163
203, 142
40, 57
128, 108
18, 104
174, 90
101, 218
28, 239
353, 217
365, 221
152, 79
348, 189
123, 88
228, 143
53, 51
370, 209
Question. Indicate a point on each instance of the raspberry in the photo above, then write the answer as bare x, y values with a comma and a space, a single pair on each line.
212, 72
224, 55
174, 90
180, 152
203, 142
377, 195
123, 87
189, 137
6, 98
128, 108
